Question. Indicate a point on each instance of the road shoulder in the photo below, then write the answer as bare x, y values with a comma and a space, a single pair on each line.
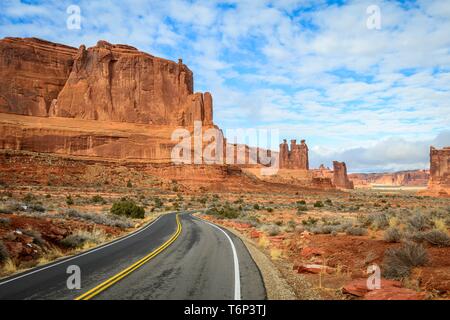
276, 286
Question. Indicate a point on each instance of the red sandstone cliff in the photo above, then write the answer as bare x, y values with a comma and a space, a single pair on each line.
32, 74
106, 82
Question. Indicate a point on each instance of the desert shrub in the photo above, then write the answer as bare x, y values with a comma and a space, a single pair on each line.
397, 262
318, 204
269, 210
158, 202
98, 199
437, 238
69, 200
5, 221
107, 220
301, 209
301, 202
328, 202
36, 207
418, 222
81, 237
380, 221
272, 230
256, 206
310, 221
225, 212
356, 231
127, 208
129, 184
29, 198
36, 235
322, 229
392, 235
4, 254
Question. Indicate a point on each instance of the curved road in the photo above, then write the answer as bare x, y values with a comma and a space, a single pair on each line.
204, 262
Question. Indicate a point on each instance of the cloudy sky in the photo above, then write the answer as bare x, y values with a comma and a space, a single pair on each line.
375, 98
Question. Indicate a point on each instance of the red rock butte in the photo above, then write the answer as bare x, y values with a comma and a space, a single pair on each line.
108, 101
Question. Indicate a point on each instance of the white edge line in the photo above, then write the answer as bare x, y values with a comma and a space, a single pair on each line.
237, 279
81, 254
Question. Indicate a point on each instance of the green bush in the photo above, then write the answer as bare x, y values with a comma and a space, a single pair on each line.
397, 262
225, 212
129, 184
318, 204
98, 199
158, 203
256, 206
301, 209
69, 200
128, 208
310, 221
4, 254
301, 202
392, 235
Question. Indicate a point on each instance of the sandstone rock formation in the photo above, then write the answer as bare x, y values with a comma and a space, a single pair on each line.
106, 82
295, 158
32, 74
439, 171
340, 178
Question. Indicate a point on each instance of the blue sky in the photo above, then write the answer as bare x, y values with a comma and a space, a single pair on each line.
312, 69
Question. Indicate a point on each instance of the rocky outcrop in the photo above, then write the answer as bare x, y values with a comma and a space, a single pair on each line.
32, 74
295, 158
439, 183
340, 178
106, 82
119, 83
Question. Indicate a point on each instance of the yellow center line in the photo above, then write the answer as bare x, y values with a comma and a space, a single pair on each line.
122, 274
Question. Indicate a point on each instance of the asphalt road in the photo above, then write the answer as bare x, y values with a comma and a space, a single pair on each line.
204, 262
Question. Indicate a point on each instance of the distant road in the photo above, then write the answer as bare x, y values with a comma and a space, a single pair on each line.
172, 258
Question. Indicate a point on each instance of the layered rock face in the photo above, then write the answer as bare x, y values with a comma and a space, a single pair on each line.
108, 101
439, 171
32, 74
106, 82
340, 178
295, 158
411, 178
119, 83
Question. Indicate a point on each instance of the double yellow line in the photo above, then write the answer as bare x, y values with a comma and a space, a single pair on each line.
108, 283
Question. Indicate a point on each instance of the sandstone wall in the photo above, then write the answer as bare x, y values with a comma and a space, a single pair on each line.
106, 82
32, 74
